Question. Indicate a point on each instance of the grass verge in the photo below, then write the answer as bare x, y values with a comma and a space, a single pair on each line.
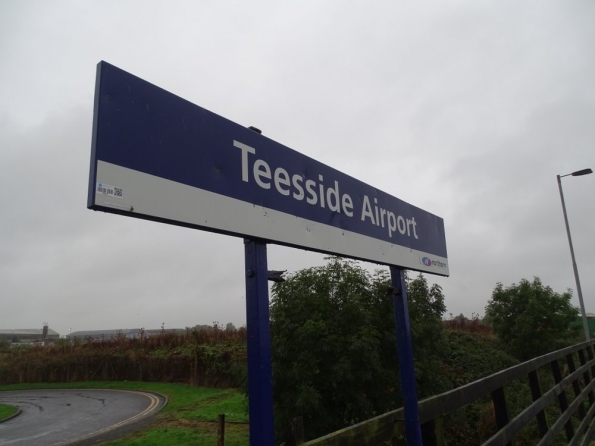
190, 417
6, 411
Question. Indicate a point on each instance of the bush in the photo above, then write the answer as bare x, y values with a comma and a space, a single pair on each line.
334, 345
531, 318
215, 358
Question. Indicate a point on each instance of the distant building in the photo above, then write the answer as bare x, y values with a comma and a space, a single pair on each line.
129, 333
29, 335
590, 323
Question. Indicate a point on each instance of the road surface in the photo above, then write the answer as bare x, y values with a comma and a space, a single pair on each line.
73, 416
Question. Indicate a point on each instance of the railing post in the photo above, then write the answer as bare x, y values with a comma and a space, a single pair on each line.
221, 430
405, 352
500, 409
586, 375
590, 355
432, 432
562, 399
576, 386
439, 431
295, 433
542, 422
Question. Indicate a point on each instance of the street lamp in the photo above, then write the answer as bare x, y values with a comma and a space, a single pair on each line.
578, 283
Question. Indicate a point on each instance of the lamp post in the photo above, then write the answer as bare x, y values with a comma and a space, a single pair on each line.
578, 283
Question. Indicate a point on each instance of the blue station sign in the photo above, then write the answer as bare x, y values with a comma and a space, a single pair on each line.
159, 157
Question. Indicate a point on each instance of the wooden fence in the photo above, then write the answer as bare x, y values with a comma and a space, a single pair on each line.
569, 371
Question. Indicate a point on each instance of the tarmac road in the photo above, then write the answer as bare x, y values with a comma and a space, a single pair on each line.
73, 416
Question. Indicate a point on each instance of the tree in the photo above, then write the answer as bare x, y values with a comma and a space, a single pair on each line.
531, 318
334, 344
426, 308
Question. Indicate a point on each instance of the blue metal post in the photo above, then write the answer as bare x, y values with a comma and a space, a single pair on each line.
260, 378
405, 351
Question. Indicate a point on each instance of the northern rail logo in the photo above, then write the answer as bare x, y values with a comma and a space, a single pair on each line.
429, 262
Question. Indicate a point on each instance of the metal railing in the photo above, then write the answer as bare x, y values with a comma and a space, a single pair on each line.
576, 418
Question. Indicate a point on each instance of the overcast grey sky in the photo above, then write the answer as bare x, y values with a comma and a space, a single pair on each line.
465, 109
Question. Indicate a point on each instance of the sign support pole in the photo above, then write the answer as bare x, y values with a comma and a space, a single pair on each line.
260, 377
405, 352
